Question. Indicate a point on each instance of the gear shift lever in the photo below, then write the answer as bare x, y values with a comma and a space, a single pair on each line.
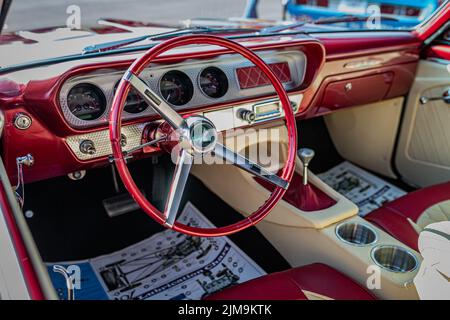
305, 155
301, 194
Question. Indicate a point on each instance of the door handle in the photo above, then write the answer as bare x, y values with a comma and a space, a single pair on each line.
445, 97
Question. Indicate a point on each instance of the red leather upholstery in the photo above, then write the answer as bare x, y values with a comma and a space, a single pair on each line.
288, 285
308, 198
396, 225
305, 198
392, 217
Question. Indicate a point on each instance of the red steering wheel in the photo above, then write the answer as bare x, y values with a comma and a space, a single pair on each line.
186, 128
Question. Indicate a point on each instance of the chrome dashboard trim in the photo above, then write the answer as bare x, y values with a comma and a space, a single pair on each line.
133, 133
363, 64
106, 80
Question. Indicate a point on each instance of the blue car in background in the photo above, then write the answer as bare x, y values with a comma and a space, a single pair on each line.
404, 13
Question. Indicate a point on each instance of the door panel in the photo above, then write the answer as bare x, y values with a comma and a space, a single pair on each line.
423, 153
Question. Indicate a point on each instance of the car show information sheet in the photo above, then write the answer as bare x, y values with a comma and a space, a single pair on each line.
166, 266
366, 190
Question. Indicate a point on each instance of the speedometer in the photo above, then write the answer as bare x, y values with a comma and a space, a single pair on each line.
213, 82
86, 101
176, 88
134, 103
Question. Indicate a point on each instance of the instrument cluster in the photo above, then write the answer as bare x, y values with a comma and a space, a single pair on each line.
176, 88
85, 100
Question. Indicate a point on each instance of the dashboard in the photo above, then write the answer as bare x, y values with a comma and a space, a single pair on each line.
66, 106
85, 100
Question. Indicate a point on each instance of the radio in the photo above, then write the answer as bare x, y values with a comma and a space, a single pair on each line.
267, 110
264, 110
270, 109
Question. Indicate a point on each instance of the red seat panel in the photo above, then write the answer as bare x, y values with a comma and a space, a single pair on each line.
288, 285
392, 217
415, 203
396, 225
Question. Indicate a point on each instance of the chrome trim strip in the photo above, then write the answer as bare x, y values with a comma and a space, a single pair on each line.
106, 81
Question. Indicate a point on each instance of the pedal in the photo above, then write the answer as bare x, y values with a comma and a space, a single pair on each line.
120, 204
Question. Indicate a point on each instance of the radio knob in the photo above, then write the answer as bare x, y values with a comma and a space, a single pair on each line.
247, 115
294, 106
87, 147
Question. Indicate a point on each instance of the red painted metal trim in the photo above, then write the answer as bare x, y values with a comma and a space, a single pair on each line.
355, 44
439, 51
403, 73
427, 29
31, 279
115, 125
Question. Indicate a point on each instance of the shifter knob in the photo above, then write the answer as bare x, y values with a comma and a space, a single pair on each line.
305, 155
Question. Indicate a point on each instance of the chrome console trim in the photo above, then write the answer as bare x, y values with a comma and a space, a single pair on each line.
394, 258
368, 228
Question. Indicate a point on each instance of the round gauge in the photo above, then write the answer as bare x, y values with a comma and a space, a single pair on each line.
214, 82
176, 88
134, 103
86, 101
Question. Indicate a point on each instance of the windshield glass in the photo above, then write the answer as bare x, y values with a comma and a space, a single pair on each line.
319, 15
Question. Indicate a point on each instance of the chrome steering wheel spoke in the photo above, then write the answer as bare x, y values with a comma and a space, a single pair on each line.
242, 162
179, 179
159, 105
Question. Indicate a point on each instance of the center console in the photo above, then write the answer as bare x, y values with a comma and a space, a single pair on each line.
334, 235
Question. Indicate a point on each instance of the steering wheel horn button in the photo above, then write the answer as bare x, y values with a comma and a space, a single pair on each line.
202, 134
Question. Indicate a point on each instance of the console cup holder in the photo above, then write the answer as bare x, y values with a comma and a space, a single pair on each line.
358, 234
394, 258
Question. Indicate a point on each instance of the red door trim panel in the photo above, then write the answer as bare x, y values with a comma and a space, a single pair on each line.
29, 274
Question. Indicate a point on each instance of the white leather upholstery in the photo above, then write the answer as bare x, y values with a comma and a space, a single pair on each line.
436, 213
